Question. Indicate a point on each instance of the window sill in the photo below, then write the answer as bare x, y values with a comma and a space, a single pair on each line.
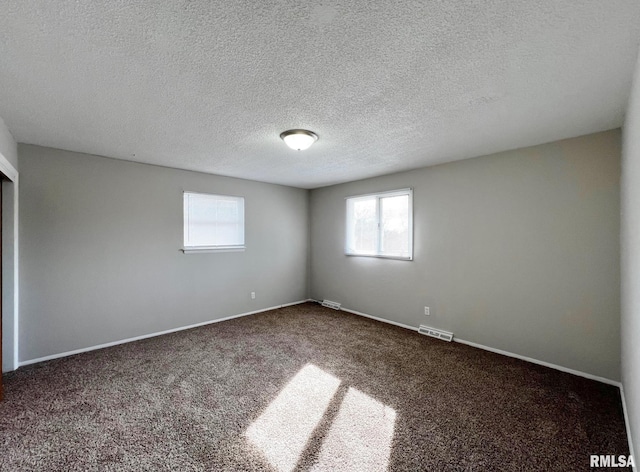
205, 250
381, 256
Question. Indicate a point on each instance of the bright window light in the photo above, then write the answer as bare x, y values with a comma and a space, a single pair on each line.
360, 436
380, 225
281, 432
213, 222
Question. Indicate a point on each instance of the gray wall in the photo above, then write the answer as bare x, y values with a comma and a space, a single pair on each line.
630, 258
8, 146
100, 259
518, 251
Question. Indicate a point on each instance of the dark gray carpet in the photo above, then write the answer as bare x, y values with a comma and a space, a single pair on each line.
303, 388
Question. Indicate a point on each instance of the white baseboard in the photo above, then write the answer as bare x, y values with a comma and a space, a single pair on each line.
527, 359
395, 323
498, 351
151, 335
627, 424
536, 361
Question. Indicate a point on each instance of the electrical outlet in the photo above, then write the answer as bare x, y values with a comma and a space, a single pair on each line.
253, 295
426, 311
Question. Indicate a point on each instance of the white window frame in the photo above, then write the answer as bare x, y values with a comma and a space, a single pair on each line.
194, 249
378, 195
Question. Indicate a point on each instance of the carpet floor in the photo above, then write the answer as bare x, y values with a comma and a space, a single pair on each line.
302, 388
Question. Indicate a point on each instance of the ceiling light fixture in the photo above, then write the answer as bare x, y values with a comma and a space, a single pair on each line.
299, 139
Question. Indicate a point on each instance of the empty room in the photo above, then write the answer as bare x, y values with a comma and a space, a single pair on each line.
334, 236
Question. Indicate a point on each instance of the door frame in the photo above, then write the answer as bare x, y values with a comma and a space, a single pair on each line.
10, 298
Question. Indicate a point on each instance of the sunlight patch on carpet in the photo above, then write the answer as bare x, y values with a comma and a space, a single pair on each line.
283, 429
360, 436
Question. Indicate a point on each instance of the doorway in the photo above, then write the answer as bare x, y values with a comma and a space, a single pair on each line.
8, 266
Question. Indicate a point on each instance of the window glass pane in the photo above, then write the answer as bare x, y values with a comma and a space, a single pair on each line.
364, 226
213, 220
394, 223
227, 228
380, 225
202, 214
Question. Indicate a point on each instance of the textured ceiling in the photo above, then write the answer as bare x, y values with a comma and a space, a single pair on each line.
388, 86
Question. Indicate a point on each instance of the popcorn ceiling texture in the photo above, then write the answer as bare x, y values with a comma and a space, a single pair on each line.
388, 86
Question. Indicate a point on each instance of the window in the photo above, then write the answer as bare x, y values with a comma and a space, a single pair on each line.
381, 225
213, 222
